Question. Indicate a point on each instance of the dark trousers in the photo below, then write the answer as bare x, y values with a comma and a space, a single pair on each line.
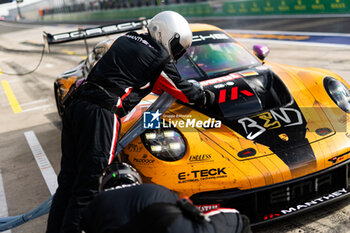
89, 139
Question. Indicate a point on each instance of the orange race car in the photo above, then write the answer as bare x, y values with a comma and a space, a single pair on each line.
275, 142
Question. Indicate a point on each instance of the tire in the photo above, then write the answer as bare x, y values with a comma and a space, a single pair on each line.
58, 98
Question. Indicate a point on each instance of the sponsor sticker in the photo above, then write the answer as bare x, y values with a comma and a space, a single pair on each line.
222, 85
220, 79
249, 73
317, 201
279, 118
134, 148
198, 175
206, 208
200, 158
144, 160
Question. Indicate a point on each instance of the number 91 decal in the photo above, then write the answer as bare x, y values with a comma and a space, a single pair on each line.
257, 125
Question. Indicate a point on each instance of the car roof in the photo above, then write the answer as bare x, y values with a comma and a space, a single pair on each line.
195, 27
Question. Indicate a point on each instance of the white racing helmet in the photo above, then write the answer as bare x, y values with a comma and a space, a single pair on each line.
173, 31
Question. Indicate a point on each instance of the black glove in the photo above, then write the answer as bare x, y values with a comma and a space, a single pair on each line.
209, 98
246, 224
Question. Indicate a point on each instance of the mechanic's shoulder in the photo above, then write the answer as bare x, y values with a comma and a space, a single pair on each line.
132, 33
147, 37
143, 38
146, 40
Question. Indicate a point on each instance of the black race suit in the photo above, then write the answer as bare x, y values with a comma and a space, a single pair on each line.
120, 79
125, 211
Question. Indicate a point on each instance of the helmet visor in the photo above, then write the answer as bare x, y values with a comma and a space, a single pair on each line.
176, 48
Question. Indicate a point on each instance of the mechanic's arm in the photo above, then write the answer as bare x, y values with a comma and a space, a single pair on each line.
171, 82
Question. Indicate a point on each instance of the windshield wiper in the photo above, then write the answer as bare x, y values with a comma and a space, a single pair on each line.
199, 70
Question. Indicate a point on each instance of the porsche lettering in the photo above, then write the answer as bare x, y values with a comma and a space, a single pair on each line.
97, 31
220, 36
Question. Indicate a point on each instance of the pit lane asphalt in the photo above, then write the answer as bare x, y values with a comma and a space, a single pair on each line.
24, 185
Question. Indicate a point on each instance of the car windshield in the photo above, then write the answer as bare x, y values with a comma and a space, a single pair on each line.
208, 60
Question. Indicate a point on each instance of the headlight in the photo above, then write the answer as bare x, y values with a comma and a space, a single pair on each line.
338, 92
165, 144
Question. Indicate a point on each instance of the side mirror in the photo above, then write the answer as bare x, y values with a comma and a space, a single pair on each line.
261, 51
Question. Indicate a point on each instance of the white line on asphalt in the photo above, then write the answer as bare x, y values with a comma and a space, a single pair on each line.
44, 164
3, 203
37, 108
34, 102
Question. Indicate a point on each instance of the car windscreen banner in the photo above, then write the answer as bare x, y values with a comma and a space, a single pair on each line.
208, 37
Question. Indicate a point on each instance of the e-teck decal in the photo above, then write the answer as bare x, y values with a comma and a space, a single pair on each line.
205, 174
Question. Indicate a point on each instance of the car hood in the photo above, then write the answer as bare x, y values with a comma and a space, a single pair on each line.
259, 103
253, 128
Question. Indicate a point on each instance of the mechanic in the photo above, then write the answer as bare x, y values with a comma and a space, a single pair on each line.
120, 79
127, 206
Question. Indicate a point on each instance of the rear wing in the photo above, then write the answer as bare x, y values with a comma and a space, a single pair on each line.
88, 33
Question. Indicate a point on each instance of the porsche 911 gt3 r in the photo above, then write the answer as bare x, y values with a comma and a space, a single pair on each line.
274, 143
